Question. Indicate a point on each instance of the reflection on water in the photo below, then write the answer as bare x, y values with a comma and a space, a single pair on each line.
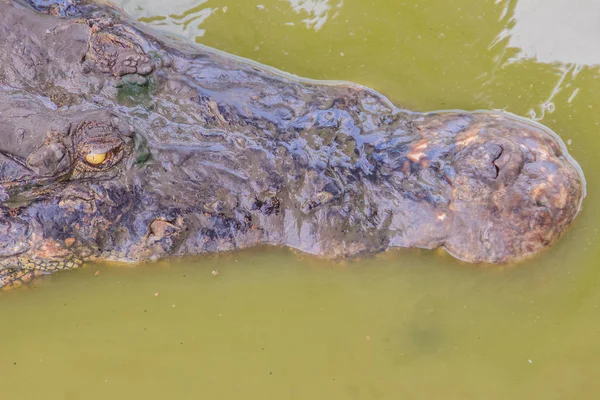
565, 31
408, 324
566, 75
181, 17
317, 10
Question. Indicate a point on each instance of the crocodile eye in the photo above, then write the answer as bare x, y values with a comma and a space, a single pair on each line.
96, 158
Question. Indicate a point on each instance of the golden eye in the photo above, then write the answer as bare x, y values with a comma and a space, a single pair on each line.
95, 159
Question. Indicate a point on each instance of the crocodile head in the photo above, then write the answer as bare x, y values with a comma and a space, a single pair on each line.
229, 155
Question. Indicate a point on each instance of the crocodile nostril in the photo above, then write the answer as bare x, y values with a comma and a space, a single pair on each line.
509, 163
495, 163
479, 161
492, 163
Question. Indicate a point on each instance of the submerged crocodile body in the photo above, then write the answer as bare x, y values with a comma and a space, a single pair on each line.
119, 145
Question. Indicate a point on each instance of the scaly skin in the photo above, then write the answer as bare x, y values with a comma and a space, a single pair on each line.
120, 145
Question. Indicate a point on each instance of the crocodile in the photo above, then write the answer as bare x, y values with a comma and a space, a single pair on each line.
121, 144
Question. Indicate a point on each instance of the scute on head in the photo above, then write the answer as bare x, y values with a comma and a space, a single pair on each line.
116, 50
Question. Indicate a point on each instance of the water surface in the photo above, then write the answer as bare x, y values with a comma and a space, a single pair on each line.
410, 324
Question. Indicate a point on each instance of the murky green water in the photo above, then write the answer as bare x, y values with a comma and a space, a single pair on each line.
408, 324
